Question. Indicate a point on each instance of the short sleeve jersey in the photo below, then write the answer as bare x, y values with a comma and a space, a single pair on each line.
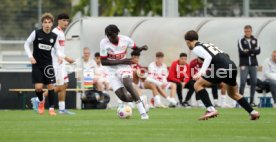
116, 51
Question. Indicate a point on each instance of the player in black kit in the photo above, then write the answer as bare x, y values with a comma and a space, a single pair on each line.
43, 40
222, 70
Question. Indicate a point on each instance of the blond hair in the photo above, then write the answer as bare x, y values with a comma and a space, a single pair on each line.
47, 16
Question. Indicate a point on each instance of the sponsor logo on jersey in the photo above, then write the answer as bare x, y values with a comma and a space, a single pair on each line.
39, 38
51, 40
44, 47
61, 42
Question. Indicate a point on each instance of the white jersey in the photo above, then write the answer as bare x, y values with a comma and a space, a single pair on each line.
116, 52
61, 43
60, 69
111, 51
158, 73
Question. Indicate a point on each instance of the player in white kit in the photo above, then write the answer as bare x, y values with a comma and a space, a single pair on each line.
60, 70
113, 51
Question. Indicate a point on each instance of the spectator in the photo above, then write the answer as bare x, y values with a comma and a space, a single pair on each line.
248, 50
140, 80
91, 77
179, 73
102, 73
269, 71
158, 73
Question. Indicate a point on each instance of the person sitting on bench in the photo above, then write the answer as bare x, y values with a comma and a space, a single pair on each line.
269, 72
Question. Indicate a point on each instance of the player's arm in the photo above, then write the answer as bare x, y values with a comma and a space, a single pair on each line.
27, 47
255, 51
242, 51
200, 52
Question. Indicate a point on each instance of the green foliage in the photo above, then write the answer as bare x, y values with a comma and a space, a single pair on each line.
135, 7
19, 17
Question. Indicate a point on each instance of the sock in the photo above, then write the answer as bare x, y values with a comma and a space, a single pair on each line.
211, 108
216, 102
39, 94
140, 107
205, 98
223, 99
51, 98
61, 105
245, 105
157, 100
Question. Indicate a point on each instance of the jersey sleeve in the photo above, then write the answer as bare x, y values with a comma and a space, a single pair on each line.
103, 50
28, 43
201, 52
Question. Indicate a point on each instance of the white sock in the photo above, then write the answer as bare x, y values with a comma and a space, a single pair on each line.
223, 99
211, 108
51, 108
253, 112
141, 108
215, 101
61, 105
157, 100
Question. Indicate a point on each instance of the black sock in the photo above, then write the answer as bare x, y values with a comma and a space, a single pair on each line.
51, 98
203, 94
39, 94
245, 105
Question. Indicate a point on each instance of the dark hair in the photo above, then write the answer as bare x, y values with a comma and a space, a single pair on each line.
63, 16
159, 54
247, 27
182, 55
191, 35
97, 54
111, 30
135, 53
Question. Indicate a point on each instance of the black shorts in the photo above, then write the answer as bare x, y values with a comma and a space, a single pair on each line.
43, 74
225, 75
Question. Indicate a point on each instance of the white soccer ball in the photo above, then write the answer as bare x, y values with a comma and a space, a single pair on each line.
124, 111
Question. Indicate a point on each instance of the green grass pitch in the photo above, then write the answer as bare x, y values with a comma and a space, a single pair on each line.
165, 125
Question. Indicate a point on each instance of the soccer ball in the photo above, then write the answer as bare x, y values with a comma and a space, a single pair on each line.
124, 111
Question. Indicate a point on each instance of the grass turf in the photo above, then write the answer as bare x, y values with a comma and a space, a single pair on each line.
165, 125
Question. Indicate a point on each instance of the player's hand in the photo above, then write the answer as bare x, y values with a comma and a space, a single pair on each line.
32, 60
144, 47
197, 76
246, 50
127, 61
69, 60
60, 60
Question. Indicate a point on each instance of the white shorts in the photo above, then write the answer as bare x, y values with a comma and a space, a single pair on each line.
117, 73
61, 74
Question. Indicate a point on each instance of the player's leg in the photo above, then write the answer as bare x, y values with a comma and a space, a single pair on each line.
200, 86
191, 90
243, 77
215, 94
51, 99
127, 82
172, 94
234, 94
253, 82
179, 88
223, 88
156, 97
39, 94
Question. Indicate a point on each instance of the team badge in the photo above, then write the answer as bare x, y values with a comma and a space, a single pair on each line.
254, 41
51, 40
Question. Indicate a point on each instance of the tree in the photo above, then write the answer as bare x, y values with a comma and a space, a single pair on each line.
135, 7
19, 17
